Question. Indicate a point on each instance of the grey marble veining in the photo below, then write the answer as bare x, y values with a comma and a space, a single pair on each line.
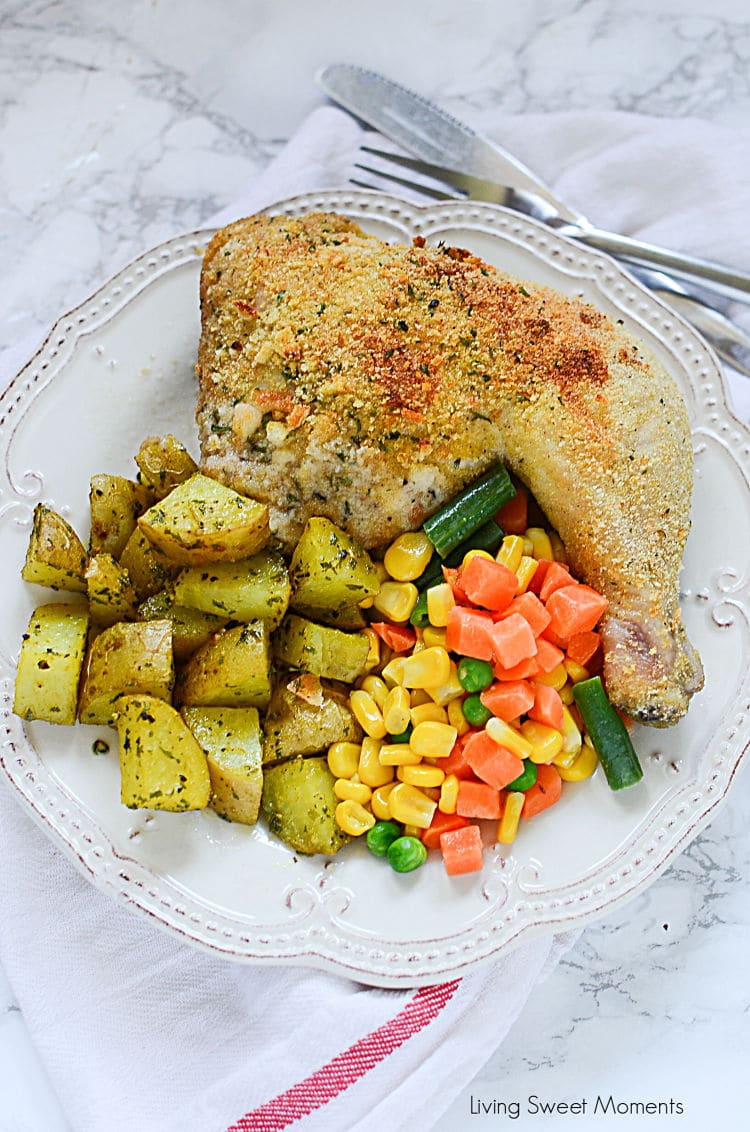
122, 124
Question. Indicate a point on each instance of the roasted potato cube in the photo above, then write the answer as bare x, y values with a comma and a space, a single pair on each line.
126, 658
148, 568
300, 805
203, 521
233, 669
331, 574
162, 765
305, 716
55, 556
111, 594
163, 463
190, 627
50, 663
230, 738
319, 649
115, 504
254, 589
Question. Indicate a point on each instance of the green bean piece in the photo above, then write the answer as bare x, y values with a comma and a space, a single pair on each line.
611, 741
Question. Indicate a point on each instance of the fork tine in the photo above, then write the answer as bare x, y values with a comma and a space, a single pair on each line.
427, 190
452, 177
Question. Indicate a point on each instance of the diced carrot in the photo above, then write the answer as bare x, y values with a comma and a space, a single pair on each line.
462, 850
540, 574
547, 707
582, 646
452, 575
574, 609
492, 763
548, 656
398, 637
478, 800
557, 575
441, 823
530, 607
521, 671
545, 791
552, 637
467, 633
512, 640
488, 583
508, 699
456, 762
513, 516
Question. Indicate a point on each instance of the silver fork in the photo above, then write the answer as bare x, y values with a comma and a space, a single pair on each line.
703, 303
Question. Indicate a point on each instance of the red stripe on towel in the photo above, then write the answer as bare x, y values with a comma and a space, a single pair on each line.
326, 1083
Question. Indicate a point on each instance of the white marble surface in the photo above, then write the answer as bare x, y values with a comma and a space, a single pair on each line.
122, 124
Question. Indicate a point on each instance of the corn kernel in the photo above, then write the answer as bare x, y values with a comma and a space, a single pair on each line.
428, 712
588, 740
379, 802
370, 769
431, 792
419, 696
353, 818
508, 825
343, 759
409, 805
440, 602
566, 694
367, 713
393, 673
434, 638
565, 759
382, 572
373, 653
558, 548
366, 602
583, 767
545, 741
421, 775
396, 601
476, 554
456, 716
510, 552
575, 671
539, 539
397, 710
448, 691
448, 795
527, 568
398, 754
345, 788
377, 688
412, 831
427, 669
408, 556
433, 739
528, 546
508, 737
556, 679
571, 733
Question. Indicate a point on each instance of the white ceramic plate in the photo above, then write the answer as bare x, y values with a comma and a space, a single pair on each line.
120, 367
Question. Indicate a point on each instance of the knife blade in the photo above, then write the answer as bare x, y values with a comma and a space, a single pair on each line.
427, 131
432, 134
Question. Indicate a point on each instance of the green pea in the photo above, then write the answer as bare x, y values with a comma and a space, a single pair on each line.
474, 675
381, 837
526, 780
475, 712
403, 736
406, 853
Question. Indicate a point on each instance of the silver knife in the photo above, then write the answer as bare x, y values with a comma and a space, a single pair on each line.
433, 135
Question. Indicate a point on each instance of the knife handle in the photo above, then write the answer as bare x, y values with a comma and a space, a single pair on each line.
735, 284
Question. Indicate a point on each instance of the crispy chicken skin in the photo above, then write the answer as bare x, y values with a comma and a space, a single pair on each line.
368, 382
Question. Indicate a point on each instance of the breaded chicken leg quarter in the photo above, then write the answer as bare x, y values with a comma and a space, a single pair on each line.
367, 382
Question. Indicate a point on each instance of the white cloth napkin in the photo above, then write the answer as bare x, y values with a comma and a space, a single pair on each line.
139, 1031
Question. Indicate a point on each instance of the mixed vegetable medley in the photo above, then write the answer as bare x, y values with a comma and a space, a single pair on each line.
409, 700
